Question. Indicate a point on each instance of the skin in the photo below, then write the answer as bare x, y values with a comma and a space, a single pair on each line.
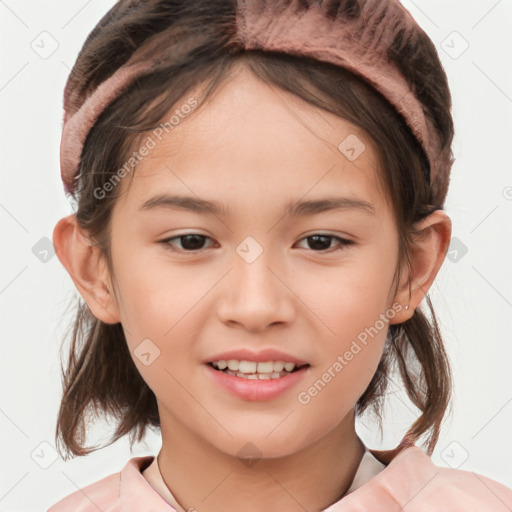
254, 148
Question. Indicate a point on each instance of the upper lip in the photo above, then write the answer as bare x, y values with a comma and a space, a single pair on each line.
244, 354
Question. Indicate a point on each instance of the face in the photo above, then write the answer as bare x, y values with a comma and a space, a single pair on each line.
253, 281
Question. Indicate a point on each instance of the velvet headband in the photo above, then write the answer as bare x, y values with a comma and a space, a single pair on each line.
359, 44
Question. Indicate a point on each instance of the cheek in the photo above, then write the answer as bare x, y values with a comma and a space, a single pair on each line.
351, 302
351, 296
158, 303
155, 293
348, 359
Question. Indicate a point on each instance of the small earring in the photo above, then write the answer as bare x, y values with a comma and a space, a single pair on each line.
407, 307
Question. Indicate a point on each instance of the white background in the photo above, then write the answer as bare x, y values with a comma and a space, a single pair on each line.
472, 294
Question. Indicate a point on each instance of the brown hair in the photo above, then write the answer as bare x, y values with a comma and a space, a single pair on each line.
201, 48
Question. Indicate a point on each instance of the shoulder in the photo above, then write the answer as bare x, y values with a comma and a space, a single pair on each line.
109, 493
101, 495
413, 479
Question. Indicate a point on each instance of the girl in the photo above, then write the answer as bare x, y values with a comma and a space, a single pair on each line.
305, 146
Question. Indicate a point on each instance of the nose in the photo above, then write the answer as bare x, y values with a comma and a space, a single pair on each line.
255, 295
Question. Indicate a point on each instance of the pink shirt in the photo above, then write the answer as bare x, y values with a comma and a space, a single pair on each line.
410, 482
368, 467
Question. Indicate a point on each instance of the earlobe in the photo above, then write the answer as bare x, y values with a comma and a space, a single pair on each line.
428, 252
87, 269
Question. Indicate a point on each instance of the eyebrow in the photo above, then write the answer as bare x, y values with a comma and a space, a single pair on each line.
293, 209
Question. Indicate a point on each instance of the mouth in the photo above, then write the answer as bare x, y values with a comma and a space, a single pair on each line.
265, 379
251, 370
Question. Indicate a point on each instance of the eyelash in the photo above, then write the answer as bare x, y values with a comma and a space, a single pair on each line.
343, 242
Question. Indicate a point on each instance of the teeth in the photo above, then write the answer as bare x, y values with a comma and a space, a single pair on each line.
258, 376
233, 365
278, 366
266, 367
249, 367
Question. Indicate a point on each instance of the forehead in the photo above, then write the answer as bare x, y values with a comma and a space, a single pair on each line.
256, 139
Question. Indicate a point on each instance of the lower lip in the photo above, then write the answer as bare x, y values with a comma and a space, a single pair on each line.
256, 389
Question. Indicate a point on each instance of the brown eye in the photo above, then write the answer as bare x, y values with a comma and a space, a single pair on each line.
322, 242
189, 242
195, 242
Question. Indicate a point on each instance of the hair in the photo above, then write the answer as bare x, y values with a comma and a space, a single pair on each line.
100, 376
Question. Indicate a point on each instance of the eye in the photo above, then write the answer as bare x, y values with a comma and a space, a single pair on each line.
190, 242
321, 242
194, 242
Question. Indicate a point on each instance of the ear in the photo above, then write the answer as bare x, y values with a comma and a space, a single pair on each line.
87, 268
428, 252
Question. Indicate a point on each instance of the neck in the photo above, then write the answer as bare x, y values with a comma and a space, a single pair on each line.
204, 478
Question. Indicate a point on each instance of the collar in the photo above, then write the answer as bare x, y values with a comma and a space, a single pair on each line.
409, 473
386, 488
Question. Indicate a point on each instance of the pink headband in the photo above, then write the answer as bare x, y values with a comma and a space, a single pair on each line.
360, 46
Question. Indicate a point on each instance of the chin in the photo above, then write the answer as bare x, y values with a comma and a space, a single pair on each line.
255, 443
